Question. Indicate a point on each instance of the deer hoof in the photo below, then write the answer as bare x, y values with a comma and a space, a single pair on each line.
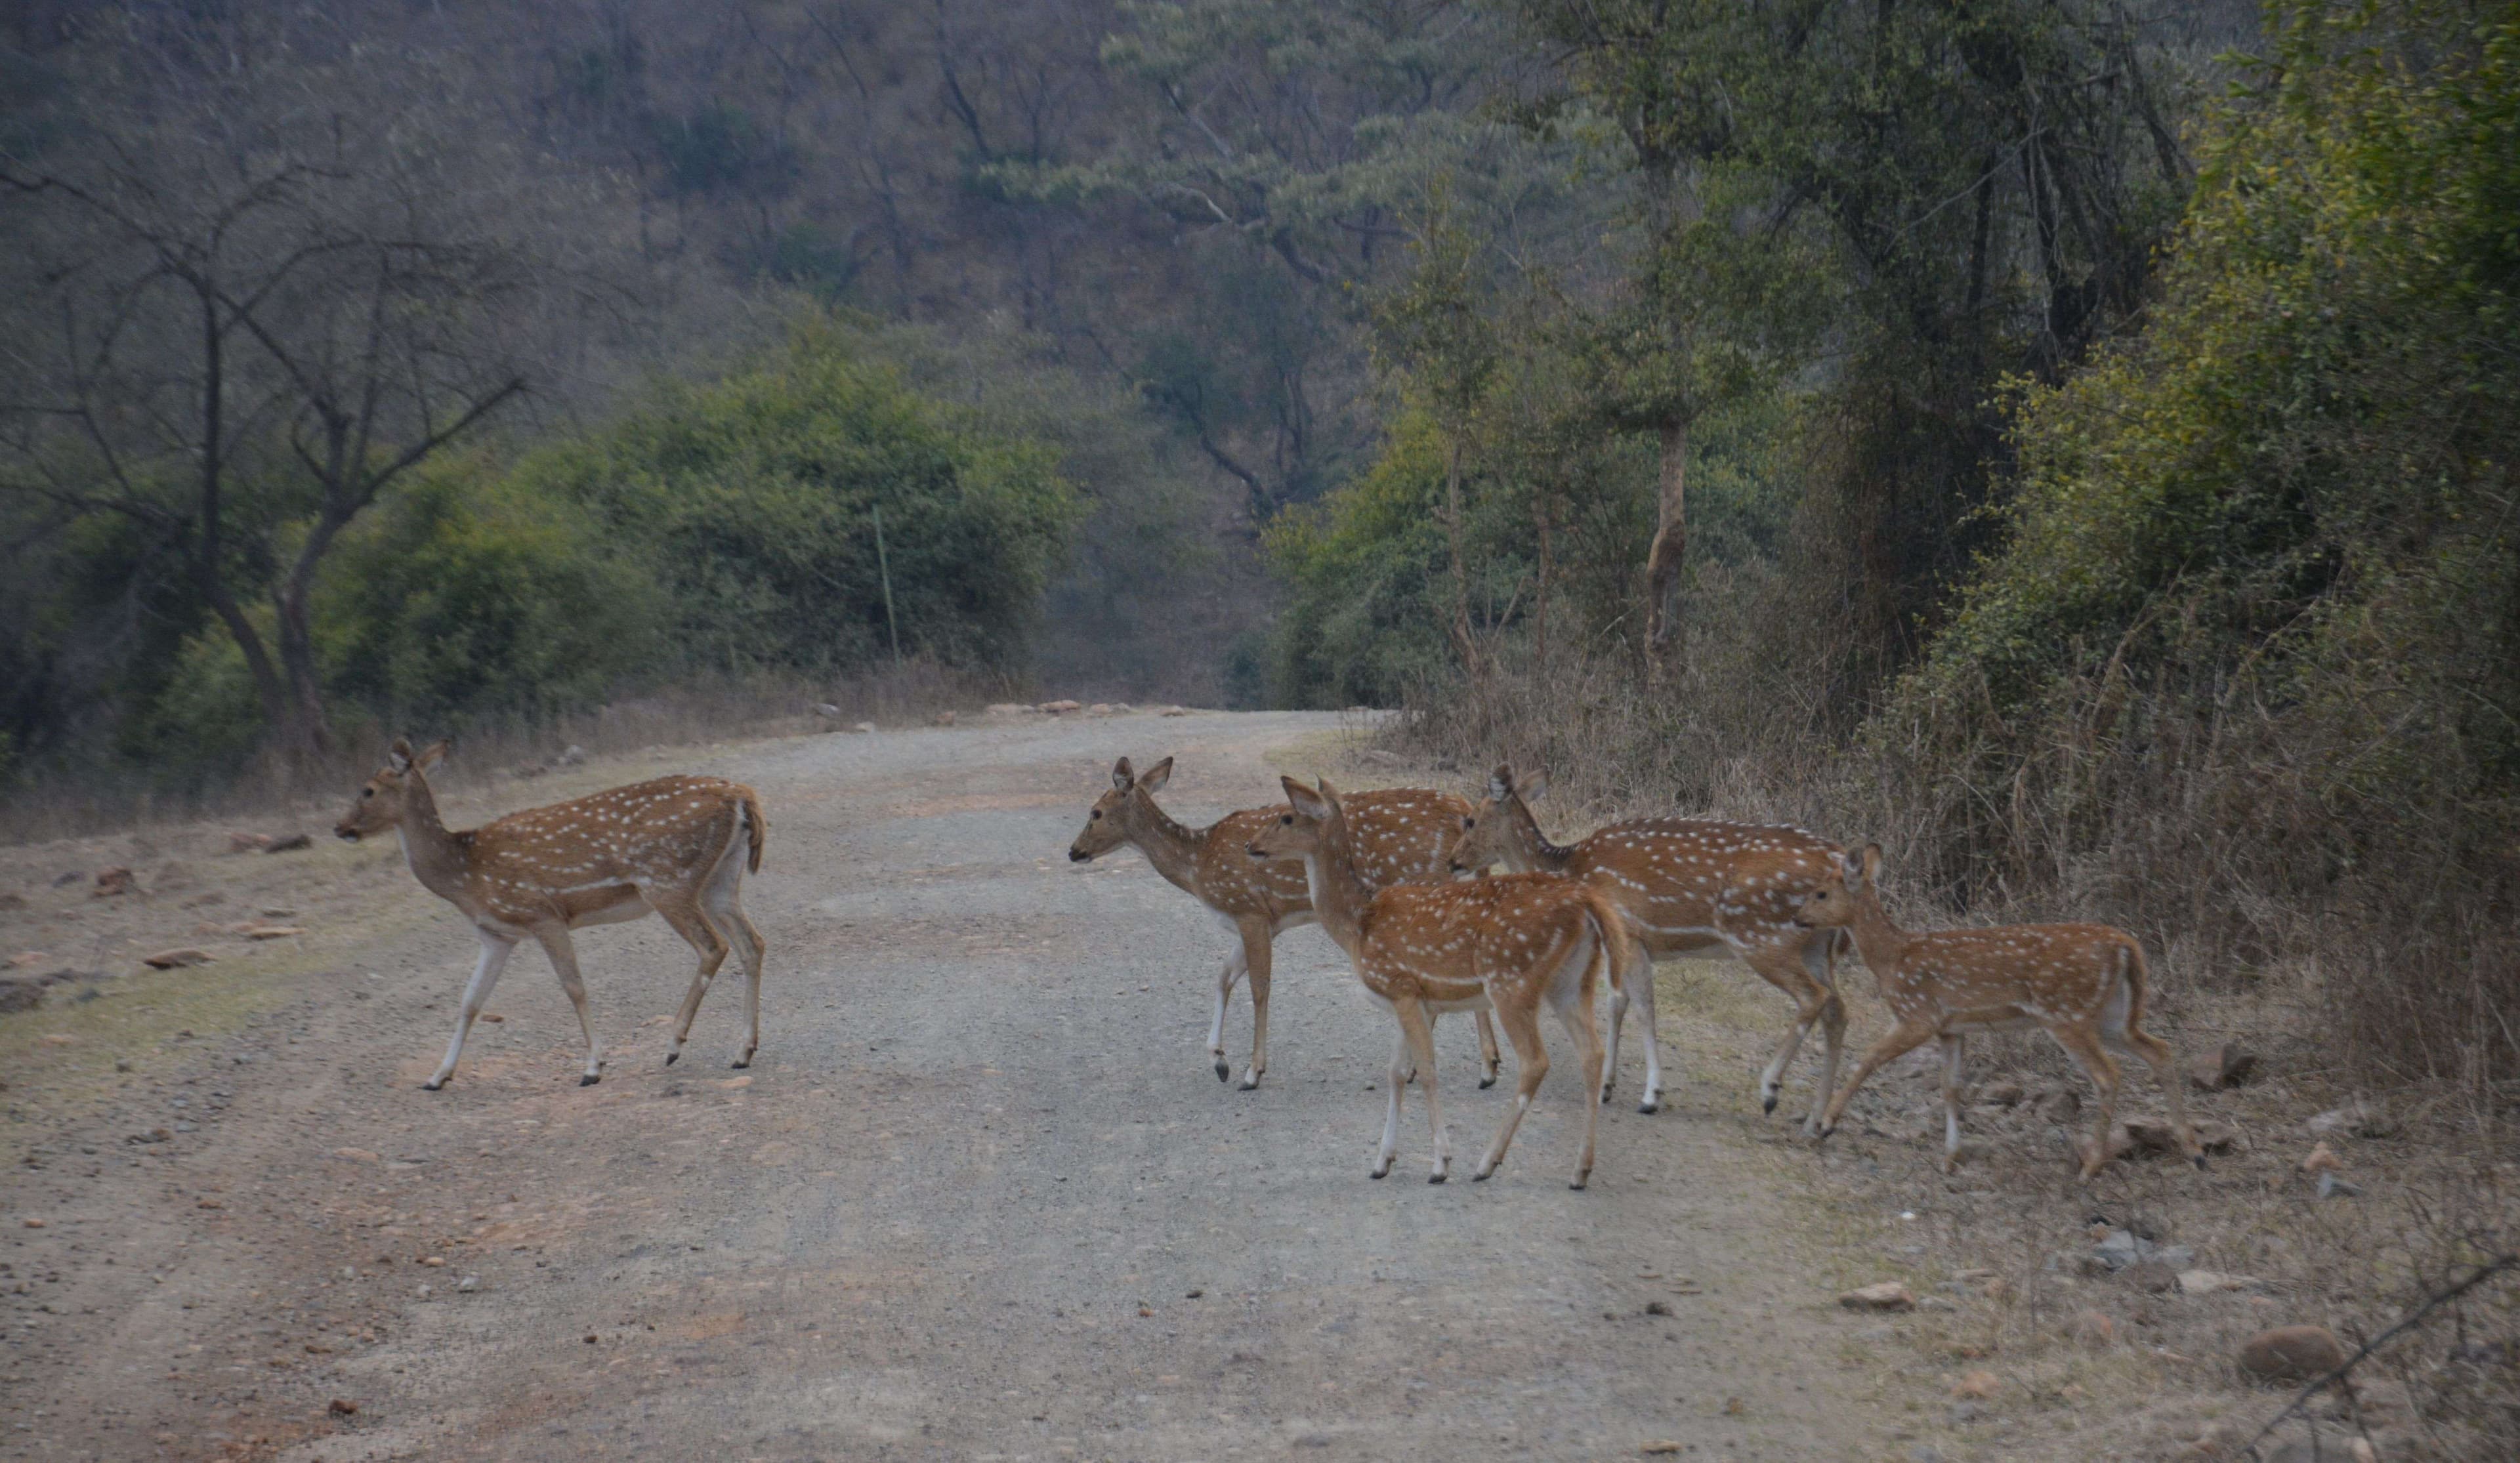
1379, 1173
431, 1085
672, 1057
1250, 1080
1580, 1180
1487, 1082
589, 1079
742, 1062
1224, 1070
1768, 1104
1436, 1177
1649, 1105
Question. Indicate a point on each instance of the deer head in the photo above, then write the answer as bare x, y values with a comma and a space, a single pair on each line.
1301, 830
1500, 829
381, 803
1108, 822
1855, 877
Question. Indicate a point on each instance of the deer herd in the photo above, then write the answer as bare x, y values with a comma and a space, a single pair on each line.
1400, 880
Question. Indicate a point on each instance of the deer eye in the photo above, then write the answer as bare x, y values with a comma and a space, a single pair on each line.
1098, 815
1286, 818
367, 792
1469, 823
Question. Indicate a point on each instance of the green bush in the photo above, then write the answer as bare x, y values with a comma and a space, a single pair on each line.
755, 497
2252, 644
471, 593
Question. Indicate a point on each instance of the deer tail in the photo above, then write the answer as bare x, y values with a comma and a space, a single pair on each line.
1618, 948
756, 827
2138, 983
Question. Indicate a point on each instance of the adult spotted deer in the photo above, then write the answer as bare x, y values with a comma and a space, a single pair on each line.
679, 846
1507, 943
2083, 983
1401, 835
1686, 885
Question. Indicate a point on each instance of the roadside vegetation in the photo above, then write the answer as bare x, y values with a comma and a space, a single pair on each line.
2069, 445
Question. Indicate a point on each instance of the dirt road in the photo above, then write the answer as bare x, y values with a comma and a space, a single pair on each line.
982, 1196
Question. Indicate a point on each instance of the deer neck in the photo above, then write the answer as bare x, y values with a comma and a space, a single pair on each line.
1532, 852
438, 859
1881, 943
1171, 848
1337, 891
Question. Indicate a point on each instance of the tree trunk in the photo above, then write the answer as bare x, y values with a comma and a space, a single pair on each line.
210, 545
305, 732
1670, 548
1465, 645
1539, 604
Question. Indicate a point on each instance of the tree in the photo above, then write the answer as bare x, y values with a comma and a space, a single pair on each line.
1435, 336
1719, 309
250, 300
1722, 297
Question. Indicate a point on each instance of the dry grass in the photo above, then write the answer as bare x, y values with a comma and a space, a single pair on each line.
2097, 1367
1747, 731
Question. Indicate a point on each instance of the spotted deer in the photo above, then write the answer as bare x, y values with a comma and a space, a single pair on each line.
1401, 835
679, 846
1685, 886
1505, 945
2084, 984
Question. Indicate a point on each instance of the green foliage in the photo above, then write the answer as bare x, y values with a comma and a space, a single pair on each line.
1363, 615
2265, 554
472, 593
755, 497
1365, 571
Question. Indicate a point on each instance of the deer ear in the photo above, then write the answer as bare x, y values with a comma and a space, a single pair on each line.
399, 755
1153, 778
1329, 794
1535, 786
1872, 862
435, 753
1305, 800
1121, 776
1501, 783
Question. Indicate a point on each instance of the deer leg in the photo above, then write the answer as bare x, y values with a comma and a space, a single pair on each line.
1421, 1033
697, 931
476, 994
726, 912
1618, 1022
1225, 978
1573, 1002
2159, 1055
1637, 981
1522, 1025
1257, 951
1820, 962
1954, 1044
554, 942
1811, 1006
1902, 1039
2086, 1049
1395, 1079
1488, 1058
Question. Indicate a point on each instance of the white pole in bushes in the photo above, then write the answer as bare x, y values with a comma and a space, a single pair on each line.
884, 567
